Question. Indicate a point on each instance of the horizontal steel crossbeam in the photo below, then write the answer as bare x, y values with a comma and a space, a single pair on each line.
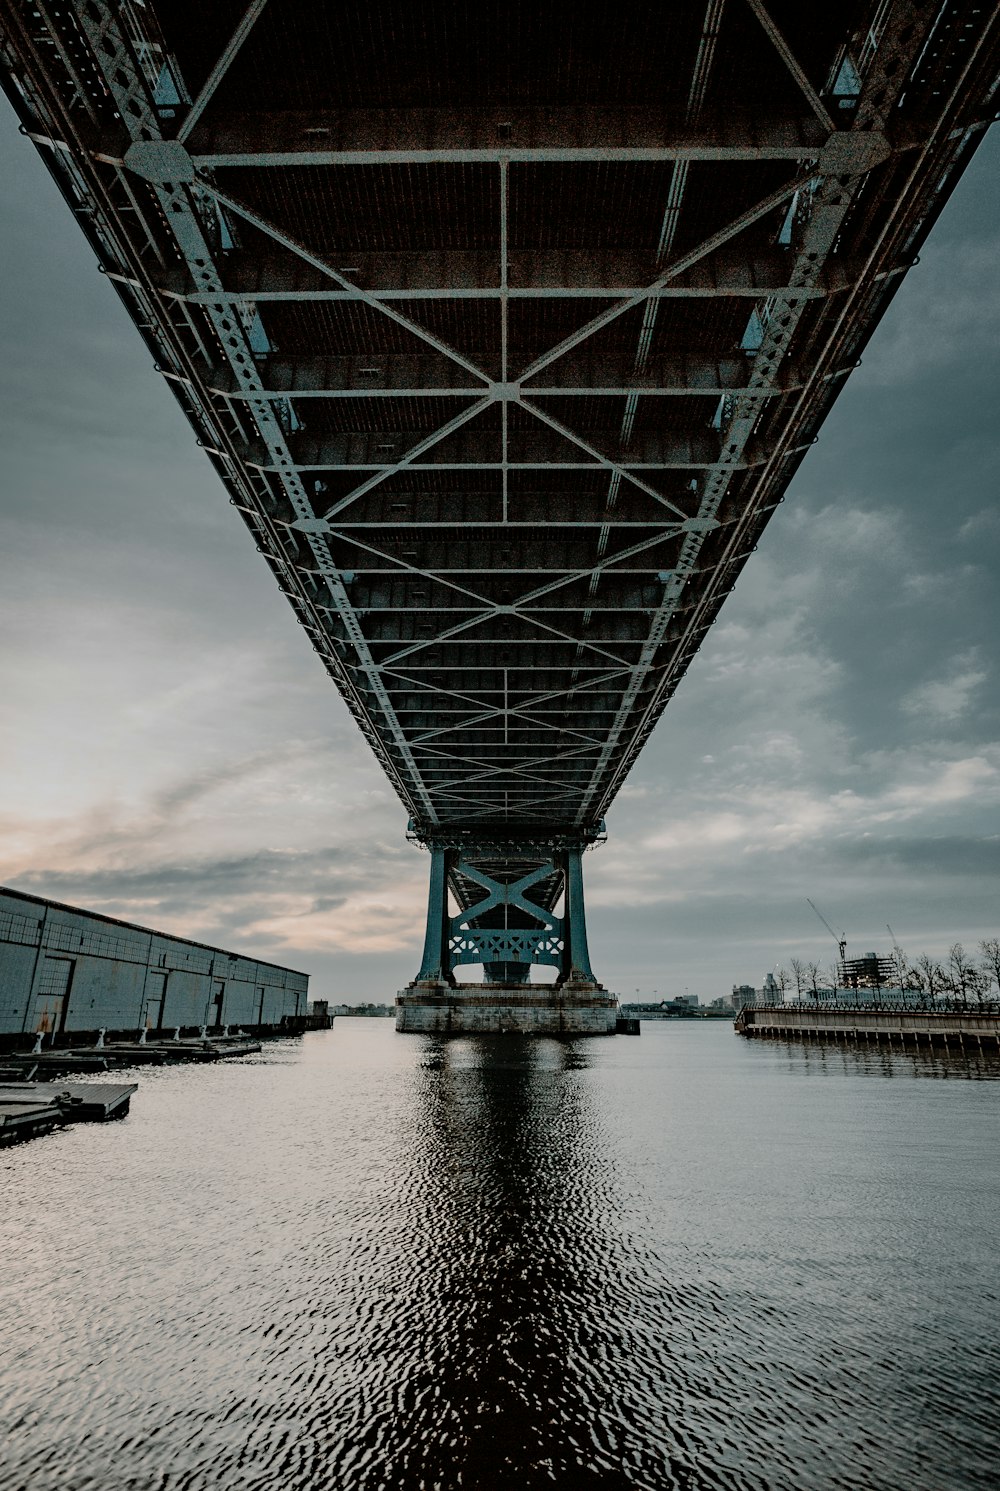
438, 355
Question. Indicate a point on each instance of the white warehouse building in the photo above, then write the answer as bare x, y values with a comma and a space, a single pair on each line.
64, 970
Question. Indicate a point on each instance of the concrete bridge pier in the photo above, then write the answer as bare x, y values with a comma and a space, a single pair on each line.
519, 905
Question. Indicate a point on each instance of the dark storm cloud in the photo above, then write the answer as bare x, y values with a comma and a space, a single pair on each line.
186, 882
953, 855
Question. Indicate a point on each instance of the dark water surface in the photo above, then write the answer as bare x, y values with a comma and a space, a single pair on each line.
368, 1261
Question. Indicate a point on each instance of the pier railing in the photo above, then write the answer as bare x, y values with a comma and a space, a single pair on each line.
956, 1006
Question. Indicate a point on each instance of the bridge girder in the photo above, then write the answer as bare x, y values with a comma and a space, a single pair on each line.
442, 345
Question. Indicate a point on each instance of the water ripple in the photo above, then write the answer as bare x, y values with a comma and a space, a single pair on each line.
368, 1261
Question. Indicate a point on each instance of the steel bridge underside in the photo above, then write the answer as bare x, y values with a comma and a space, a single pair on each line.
505, 330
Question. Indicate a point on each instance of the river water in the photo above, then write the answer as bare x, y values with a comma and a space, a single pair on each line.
364, 1260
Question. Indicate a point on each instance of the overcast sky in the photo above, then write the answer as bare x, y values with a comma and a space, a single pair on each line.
173, 752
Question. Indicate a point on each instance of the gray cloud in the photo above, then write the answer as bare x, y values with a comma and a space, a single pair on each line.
174, 753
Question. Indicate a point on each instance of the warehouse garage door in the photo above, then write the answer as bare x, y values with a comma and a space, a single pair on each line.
156, 983
52, 994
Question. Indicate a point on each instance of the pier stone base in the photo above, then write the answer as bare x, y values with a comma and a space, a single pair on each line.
522, 1009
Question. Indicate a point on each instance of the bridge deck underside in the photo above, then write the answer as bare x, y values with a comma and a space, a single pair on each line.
505, 330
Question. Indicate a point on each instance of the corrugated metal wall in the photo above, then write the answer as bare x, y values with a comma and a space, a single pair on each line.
64, 969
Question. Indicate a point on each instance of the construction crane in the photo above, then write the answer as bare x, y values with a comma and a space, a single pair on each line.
841, 941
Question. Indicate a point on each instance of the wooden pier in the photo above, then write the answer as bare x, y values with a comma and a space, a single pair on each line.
956, 1029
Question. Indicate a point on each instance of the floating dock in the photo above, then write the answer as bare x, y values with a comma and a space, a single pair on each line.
948, 1029
28, 1109
81, 1102
58, 1060
27, 1118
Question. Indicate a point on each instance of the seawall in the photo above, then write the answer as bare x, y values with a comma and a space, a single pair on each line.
915, 1027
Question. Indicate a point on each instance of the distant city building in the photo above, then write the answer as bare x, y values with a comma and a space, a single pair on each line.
870, 979
374, 1011
691, 1000
869, 972
667, 1009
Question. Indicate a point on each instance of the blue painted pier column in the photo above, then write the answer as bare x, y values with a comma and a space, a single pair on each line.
507, 890
577, 954
434, 966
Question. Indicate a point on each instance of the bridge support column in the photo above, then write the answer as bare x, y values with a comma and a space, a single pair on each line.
506, 893
434, 965
576, 956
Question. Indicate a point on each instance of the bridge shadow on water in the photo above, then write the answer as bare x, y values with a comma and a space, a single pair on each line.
537, 1327
516, 1342
513, 1270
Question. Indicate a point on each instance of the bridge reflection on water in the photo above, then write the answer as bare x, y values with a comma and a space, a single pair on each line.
683, 1261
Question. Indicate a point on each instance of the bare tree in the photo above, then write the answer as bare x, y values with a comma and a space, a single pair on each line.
979, 981
799, 975
812, 974
900, 964
931, 975
960, 971
833, 974
783, 979
990, 949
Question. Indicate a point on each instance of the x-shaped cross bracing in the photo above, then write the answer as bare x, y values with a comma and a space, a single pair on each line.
846, 151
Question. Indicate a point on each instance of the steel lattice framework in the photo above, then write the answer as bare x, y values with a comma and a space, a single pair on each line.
505, 326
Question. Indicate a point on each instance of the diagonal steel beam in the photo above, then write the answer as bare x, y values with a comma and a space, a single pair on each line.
565, 578
353, 291
419, 686
830, 200
492, 609
519, 769
521, 712
788, 57
411, 456
445, 636
619, 470
113, 53
686, 261
606, 561
403, 566
215, 77
562, 755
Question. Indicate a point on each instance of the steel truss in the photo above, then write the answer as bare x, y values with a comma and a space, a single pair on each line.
506, 892
504, 431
